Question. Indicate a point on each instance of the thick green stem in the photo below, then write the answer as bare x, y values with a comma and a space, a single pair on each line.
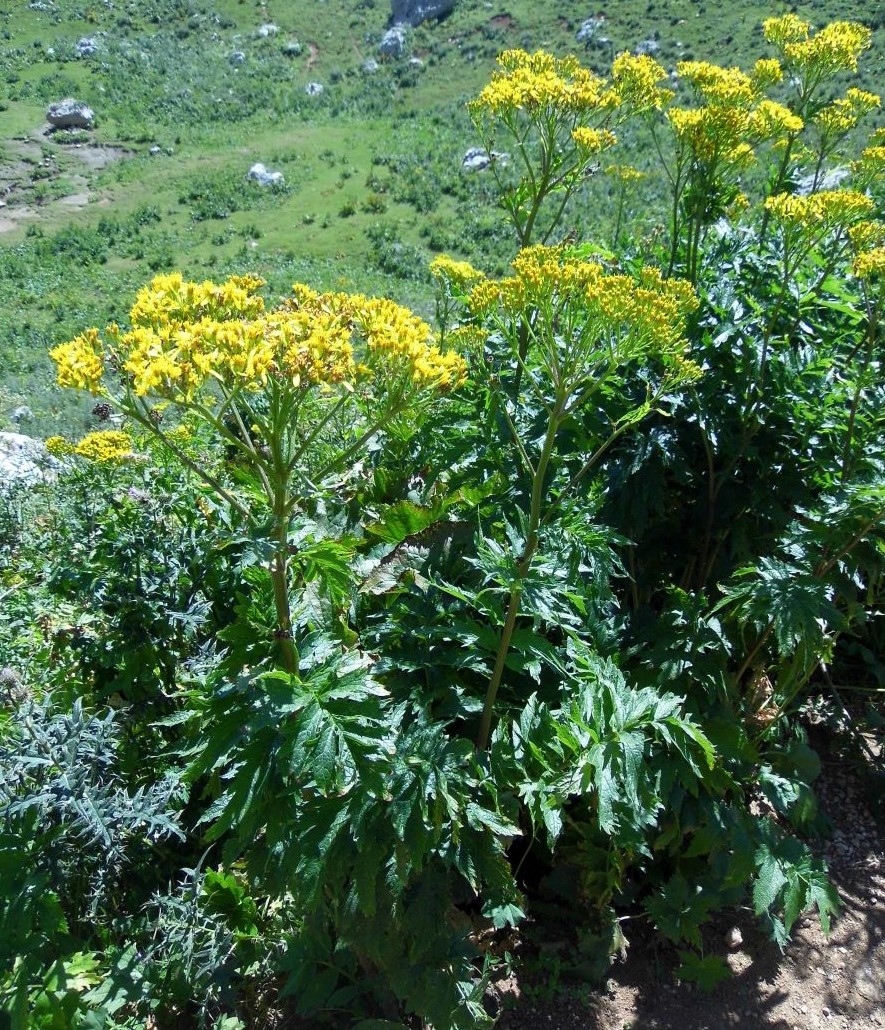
522, 568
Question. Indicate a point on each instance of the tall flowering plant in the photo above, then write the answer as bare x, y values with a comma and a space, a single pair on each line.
296, 392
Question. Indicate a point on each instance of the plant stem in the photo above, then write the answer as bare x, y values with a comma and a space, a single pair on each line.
522, 568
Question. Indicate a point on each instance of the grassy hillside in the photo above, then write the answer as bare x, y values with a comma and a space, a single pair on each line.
373, 184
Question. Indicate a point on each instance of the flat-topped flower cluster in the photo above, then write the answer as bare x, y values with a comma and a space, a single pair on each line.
184, 335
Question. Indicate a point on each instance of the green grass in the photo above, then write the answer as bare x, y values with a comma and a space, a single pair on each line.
373, 183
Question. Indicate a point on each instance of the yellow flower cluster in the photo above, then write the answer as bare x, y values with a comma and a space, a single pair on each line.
841, 116
79, 363
533, 82
835, 48
185, 334
864, 235
648, 307
725, 87
101, 447
635, 79
823, 211
625, 174
593, 141
767, 71
714, 134
870, 166
789, 28
171, 299
458, 274
870, 264
770, 120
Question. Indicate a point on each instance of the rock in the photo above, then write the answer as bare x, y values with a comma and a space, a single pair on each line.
23, 461
266, 30
370, 66
313, 89
477, 160
21, 414
587, 32
393, 43
260, 174
70, 114
416, 62
830, 180
648, 47
413, 12
734, 938
155, 149
237, 57
292, 49
86, 47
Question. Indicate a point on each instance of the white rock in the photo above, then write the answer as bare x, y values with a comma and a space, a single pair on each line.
260, 174
269, 29
24, 461
313, 89
70, 114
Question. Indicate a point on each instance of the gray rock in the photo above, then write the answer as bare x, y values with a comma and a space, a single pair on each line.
477, 160
370, 66
86, 47
314, 89
394, 42
269, 29
648, 47
587, 32
292, 49
156, 149
237, 57
23, 461
830, 180
70, 114
413, 12
260, 174
21, 414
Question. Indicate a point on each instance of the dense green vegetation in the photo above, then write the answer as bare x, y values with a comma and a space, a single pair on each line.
345, 647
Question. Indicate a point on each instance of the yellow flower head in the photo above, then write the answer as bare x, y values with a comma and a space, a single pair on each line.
789, 28
105, 445
841, 116
625, 174
58, 446
771, 120
870, 264
635, 79
819, 212
458, 274
867, 235
79, 363
767, 71
836, 48
535, 82
593, 141
724, 86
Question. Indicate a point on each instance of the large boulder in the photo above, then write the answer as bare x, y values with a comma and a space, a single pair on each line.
394, 42
23, 461
413, 12
70, 114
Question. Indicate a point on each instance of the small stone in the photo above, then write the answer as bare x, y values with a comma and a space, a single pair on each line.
734, 938
313, 89
237, 57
